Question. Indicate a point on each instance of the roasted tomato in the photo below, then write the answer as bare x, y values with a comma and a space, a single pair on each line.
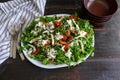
57, 24
36, 52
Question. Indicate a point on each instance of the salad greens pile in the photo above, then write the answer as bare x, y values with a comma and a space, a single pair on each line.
58, 39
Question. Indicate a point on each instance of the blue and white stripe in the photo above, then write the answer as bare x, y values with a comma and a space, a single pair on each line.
16, 11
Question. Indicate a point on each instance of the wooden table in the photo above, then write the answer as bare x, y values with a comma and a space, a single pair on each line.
105, 65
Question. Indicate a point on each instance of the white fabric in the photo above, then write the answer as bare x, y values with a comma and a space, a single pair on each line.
20, 12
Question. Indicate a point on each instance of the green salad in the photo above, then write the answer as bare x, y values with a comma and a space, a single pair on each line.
58, 39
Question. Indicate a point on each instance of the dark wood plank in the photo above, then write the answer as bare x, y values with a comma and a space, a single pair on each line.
60, 6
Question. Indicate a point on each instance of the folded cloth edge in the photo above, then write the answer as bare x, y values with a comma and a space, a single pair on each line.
6, 56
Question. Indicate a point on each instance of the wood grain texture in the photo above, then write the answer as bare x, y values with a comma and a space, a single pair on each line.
105, 65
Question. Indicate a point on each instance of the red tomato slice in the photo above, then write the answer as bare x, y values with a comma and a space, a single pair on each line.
63, 42
52, 60
57, 24
68, 32
60, 17
76, 19
37, 51
71, 16
86, 34
70, 38
48, 43
46, 55
43, 20
66, 47
64, 38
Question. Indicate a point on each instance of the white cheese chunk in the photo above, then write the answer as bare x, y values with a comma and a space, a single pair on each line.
63, 48
72, 44
46, 31
44, 27
34, 32
82, 45
58, 36
52, 37
39, 43
39, 24
68, 54
44, 42
37, 19
30, 51
33, 47
51, 53
77, 27
83, 33
71, 24
34, 40
51, 25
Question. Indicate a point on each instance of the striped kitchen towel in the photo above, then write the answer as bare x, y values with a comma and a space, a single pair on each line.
20, 12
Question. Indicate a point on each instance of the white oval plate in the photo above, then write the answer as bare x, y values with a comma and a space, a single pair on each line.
51, 66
